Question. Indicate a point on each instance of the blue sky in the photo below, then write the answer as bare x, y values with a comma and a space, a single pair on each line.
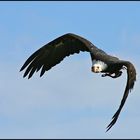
68, 101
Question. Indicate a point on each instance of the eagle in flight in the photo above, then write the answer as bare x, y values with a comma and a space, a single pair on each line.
68, 44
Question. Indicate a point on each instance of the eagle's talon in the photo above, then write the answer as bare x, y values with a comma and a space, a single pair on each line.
104, 75
117, 74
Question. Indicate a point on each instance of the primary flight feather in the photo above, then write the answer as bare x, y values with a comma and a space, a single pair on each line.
55, 51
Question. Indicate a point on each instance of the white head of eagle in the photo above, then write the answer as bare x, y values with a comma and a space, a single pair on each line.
68, 44
98, 66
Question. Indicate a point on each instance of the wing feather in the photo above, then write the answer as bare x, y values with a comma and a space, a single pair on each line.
131, 78
54, 52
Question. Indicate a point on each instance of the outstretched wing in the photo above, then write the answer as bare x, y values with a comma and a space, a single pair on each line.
131, 78
54, 52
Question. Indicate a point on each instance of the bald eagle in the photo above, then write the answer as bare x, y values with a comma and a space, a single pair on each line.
68, 44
